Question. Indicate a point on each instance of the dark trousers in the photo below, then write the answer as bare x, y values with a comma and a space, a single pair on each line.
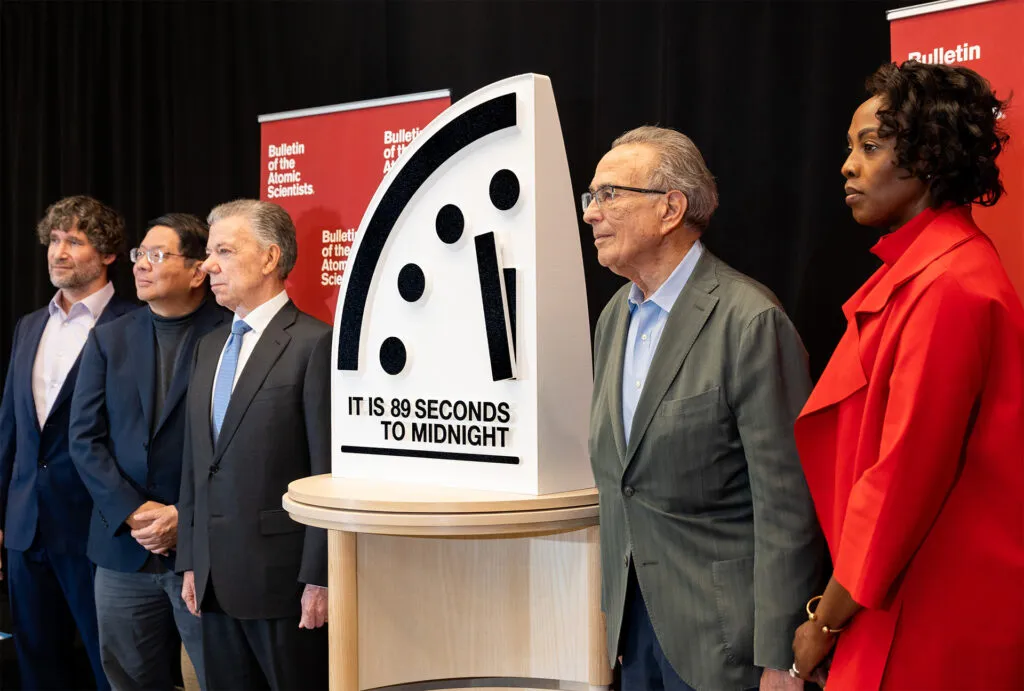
142, 623
52, 595
644, 666
249, 654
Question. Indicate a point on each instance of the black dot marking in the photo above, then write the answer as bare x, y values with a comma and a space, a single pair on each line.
392, 355
411, 282
504, 189
450, 224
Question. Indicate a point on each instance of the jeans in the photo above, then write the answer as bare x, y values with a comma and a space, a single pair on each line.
142, 621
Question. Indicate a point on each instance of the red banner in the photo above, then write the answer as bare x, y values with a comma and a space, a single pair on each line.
323, 166
984, 36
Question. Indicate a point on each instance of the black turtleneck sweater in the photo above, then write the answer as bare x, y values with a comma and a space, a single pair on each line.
171, 333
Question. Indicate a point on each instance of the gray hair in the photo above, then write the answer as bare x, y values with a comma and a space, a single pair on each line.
270, 224
680, 167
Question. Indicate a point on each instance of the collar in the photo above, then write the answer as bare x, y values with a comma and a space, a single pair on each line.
259, 318
931, 236
93, 304
892, 245
665, 296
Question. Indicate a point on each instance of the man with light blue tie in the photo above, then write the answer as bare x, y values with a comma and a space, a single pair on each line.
709, 542
258, 417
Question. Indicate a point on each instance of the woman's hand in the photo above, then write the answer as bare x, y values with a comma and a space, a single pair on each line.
810, 646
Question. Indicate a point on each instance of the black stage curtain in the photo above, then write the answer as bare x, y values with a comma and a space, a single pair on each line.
152, 106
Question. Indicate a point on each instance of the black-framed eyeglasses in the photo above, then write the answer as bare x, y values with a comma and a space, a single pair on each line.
154, 256
607, 193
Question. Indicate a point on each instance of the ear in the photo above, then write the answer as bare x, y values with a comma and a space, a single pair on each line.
273, 258
108, 259
198, 275
675, 206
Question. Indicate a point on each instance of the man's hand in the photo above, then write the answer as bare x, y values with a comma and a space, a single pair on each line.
133, 521
188, 592
158, 531
778, 680
314, 607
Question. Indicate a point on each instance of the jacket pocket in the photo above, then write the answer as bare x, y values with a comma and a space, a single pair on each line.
277, 522
734, 599
690, 405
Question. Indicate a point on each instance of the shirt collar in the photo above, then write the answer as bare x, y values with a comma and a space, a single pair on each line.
665, 296
259, 318
93, 304
892, 245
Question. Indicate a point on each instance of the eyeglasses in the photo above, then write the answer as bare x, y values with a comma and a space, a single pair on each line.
607, 193
154, 256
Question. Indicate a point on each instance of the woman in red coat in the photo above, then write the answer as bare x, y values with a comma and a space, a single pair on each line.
913, 440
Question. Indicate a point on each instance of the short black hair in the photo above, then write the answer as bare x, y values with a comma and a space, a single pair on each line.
946, 124
192, 232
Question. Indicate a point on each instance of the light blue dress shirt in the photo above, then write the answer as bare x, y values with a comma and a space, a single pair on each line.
646, 322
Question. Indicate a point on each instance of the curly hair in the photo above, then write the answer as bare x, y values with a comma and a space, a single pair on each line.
103, 226
946, 124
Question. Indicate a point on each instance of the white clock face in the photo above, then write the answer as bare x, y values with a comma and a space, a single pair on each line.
437, 332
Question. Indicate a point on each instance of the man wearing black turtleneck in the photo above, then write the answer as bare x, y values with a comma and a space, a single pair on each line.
127, 433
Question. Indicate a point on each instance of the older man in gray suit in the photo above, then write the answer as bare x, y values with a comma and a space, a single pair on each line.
709, 542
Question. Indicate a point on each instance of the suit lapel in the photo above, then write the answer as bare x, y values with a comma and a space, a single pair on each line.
206, 320
142, 340
27, 360
201, 385
613, 384
691, 311
268, 349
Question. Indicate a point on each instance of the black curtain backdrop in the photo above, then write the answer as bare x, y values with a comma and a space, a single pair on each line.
152, 107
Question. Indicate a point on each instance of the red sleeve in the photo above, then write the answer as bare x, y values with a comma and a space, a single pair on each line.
935, 379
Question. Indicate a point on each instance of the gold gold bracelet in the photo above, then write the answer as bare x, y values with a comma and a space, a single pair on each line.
814, 617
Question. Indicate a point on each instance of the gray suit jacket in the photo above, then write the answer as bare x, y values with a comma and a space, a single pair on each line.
708, 496
277, 428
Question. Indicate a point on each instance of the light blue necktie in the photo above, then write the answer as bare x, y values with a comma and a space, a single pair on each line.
226, 375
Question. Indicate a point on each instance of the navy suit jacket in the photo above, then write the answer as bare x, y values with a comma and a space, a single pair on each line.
121, 463
40, 490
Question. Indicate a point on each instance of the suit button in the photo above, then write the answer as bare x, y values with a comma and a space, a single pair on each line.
625, 561
145, 445
629, 491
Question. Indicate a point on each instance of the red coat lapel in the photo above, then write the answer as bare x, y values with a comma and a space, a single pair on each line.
846, 370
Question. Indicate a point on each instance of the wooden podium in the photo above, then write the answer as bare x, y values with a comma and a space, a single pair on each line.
436, 587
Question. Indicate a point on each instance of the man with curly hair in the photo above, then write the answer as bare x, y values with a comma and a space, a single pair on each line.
44, 506
913, 440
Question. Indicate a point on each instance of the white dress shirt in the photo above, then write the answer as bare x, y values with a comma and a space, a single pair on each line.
258, 320
63, 339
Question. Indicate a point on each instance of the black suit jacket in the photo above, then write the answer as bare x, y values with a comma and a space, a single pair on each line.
231, 527
121, 464
40, 490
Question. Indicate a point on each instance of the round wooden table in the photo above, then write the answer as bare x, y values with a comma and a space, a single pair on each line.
458, 588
